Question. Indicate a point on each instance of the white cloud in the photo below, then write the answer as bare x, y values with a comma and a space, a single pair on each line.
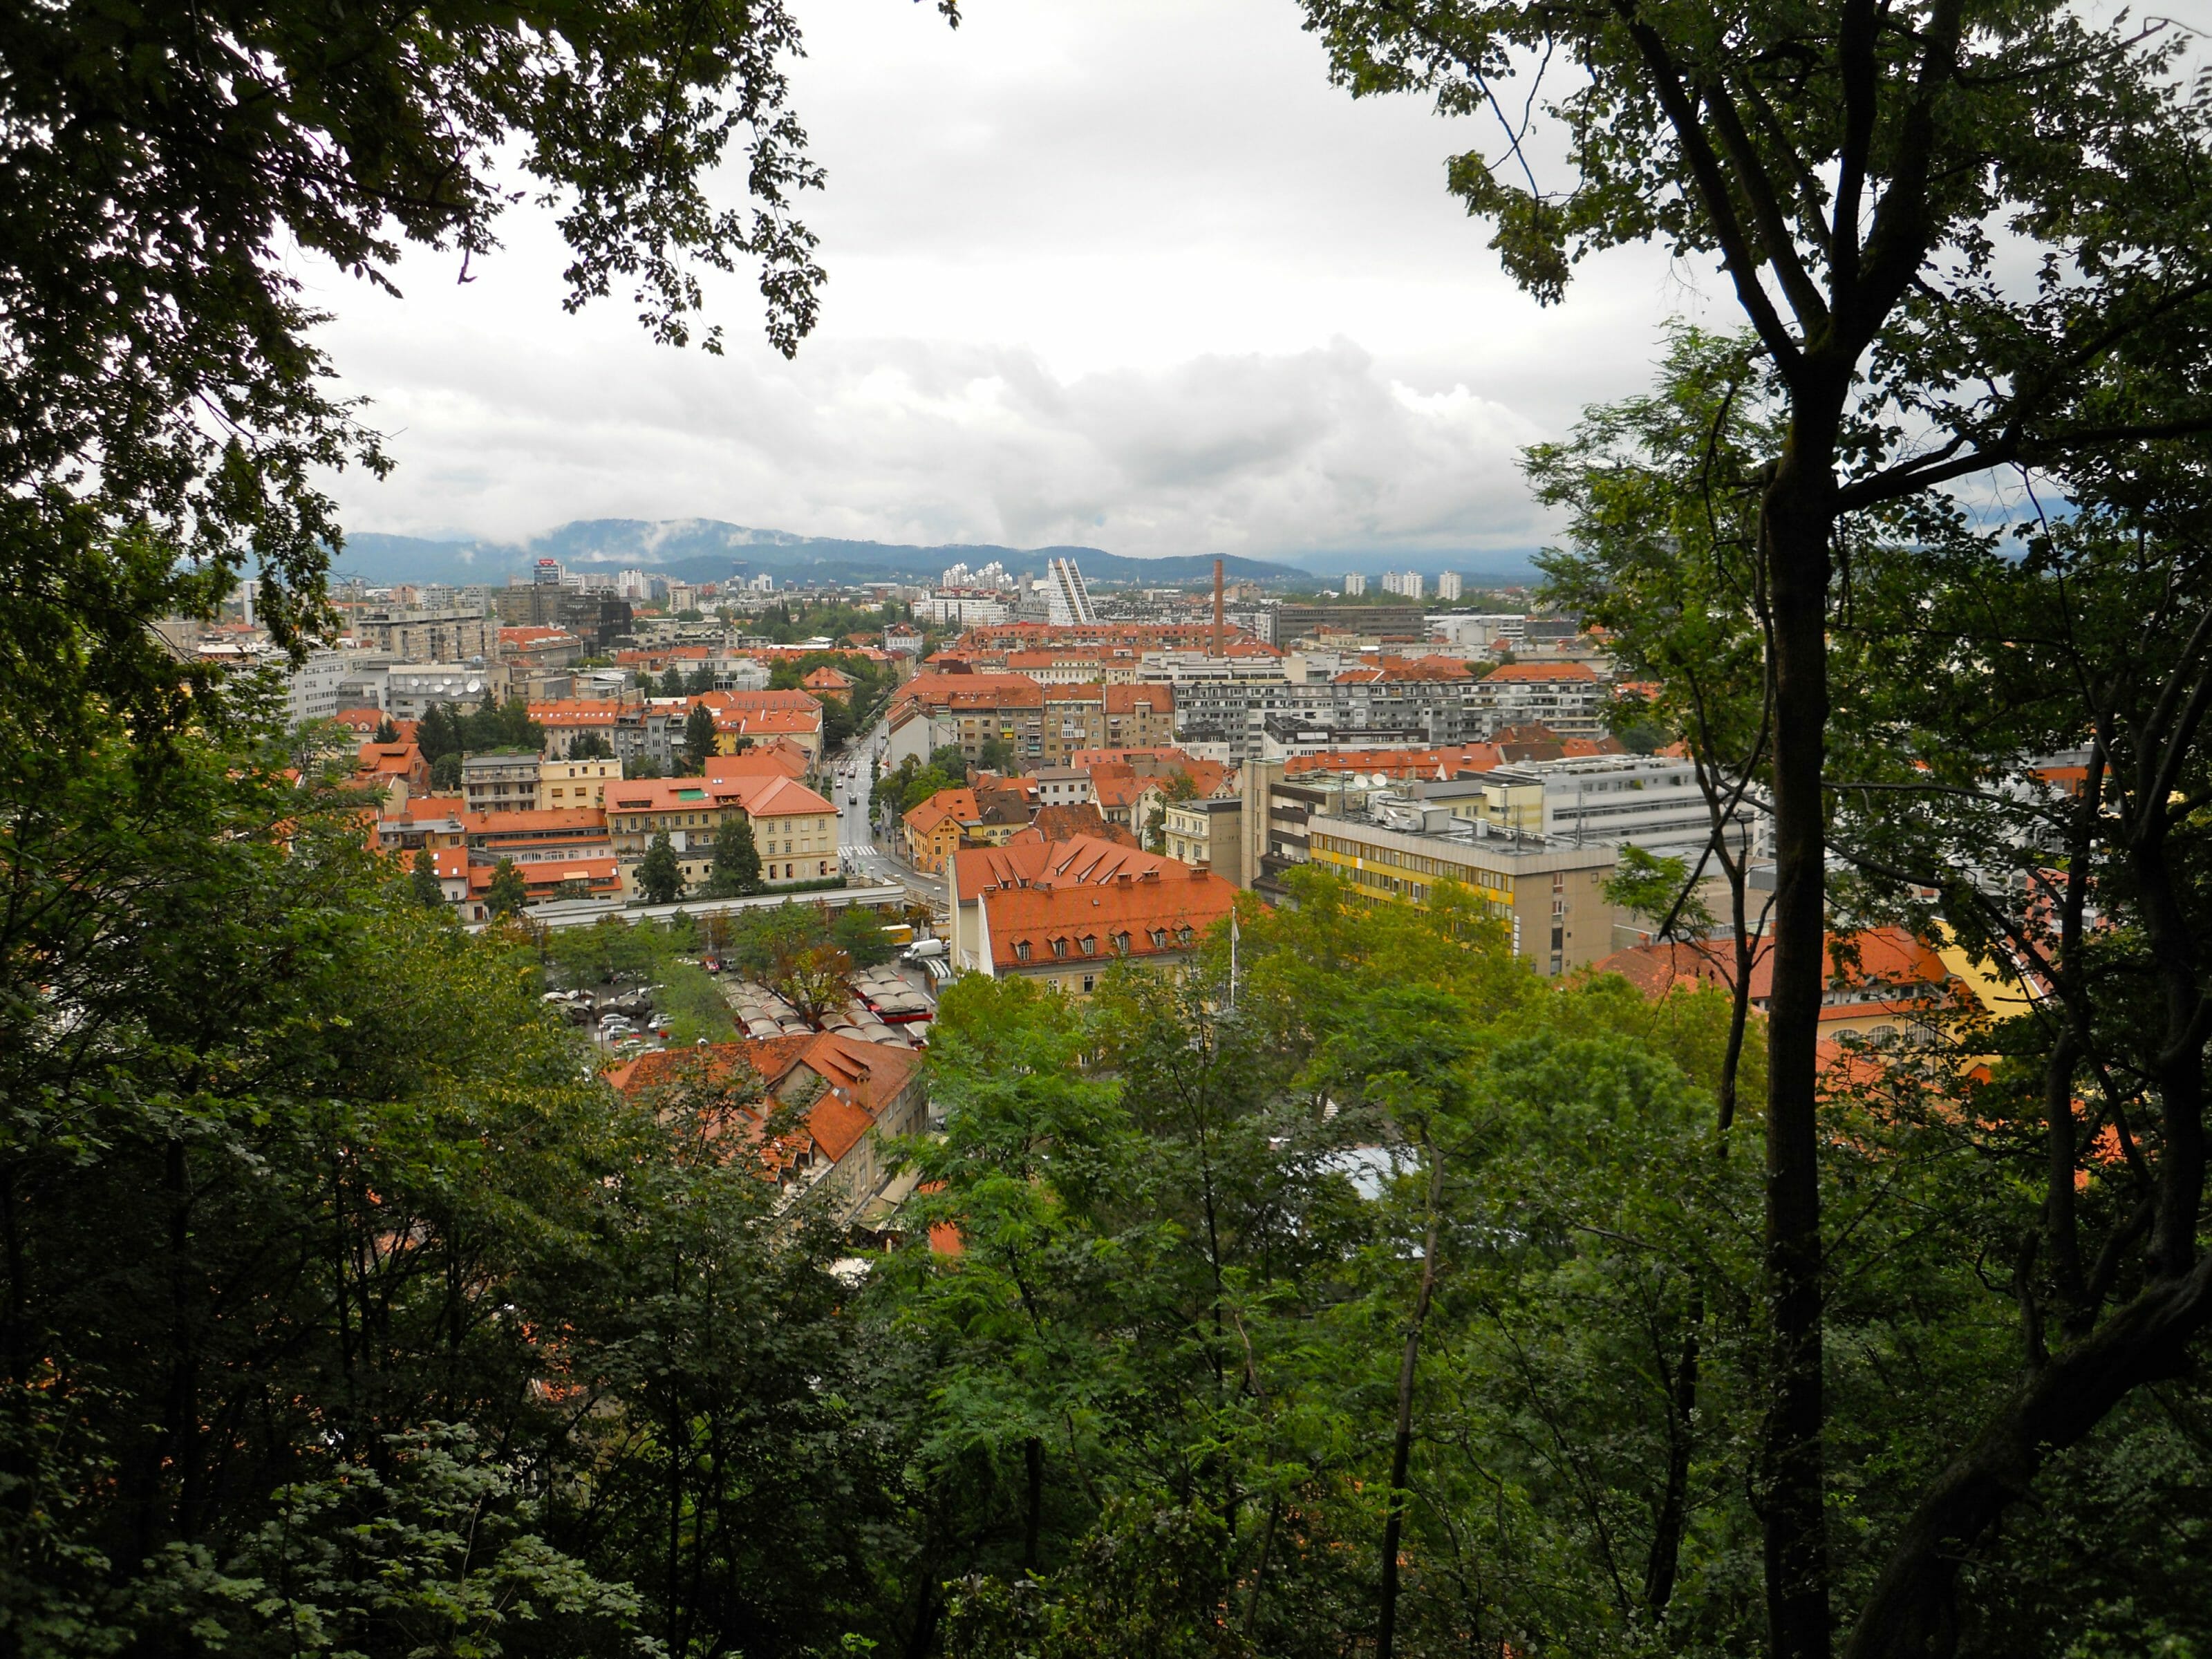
1133, 275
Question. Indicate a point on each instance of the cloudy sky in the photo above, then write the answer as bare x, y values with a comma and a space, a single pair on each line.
1129, 273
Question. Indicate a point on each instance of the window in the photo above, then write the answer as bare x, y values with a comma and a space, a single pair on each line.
1122, 945
1021, 950
1089, 945
1182, 936
1159, 938
1087, 980
1060, 947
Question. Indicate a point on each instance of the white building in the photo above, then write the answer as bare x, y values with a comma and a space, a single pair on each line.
1067, 600
311, 691
964, 610
1354, 584
1408, 584
1448, 586
411, 688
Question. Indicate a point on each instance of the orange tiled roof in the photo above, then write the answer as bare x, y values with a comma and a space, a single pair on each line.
1542, 670
960, 805
863, 1079
1891, 968
1123, 917
1082, 860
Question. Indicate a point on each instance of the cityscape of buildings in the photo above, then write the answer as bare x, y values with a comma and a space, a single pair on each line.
1110, 768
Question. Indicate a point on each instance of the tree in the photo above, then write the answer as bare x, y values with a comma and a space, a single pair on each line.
352, 142
702, 679
386, 731
698, 740
507, 896
997, 755
436, 733
590, 745
641, 766
672, 682
423, 879
736, 868
445, 772
1845, 174
660, 878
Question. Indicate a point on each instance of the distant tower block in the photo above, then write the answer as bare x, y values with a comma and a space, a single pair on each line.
1067, 601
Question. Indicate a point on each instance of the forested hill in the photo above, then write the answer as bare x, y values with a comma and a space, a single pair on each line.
706, 549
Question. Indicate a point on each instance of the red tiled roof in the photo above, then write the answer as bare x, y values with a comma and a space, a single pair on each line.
1131, 917
1071, 823
774, 756
1542, 671
863, 1079
1075, 862
958, 805
1891, 967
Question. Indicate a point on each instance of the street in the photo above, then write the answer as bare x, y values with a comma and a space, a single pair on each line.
857, 848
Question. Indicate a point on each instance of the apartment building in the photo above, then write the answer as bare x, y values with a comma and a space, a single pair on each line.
568, 783
500, 781
1567, 696
1208, 834
794, 829
423, 634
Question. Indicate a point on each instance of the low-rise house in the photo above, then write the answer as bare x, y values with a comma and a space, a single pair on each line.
933, 829
1062, 911
851, 1098
828, 682
1882, 982
421, 821
382, 765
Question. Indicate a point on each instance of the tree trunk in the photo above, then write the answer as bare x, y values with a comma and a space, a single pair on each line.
1797, 519
1663, 1565
1033, 1518
1402, 1446
1911, 1613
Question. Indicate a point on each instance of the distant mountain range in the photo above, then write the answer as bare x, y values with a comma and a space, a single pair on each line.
706, 550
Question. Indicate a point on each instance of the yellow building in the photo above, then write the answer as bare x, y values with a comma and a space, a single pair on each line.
567, 783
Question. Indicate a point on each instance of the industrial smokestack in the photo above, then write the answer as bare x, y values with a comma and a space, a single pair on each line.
1220, 643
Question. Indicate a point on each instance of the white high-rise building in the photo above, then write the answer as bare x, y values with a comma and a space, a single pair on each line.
1448, 586
1354, 584
1407, 584
1067, 601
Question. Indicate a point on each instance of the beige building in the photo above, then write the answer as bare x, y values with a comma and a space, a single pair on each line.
794, 829
1552, 894
422, 636
562, 783
1208, 834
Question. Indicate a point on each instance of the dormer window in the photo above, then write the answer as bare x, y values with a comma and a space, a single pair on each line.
1021, 950
1060, 947
1182, 936
1159, 938
1122, 945
1089, 945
